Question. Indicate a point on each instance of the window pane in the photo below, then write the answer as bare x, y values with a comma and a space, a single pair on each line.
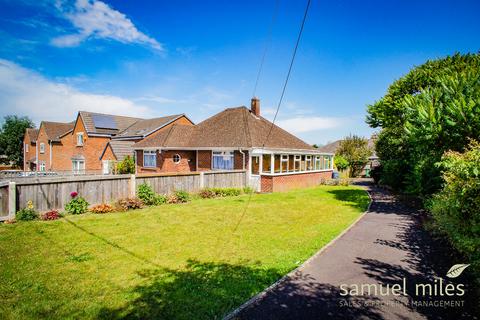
302, 164
277, 163
291, 163
255, 164
222, 160
266, 163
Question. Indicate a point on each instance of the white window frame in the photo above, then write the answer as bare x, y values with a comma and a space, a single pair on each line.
42, 166
150, 153
179, 158
42, 147
297, 159
80, 140
282, 160
78, 166
224, 154
26, 147
308, 163
318, 164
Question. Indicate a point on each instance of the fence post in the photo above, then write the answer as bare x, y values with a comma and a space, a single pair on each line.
132, 186
12, 199
202, 180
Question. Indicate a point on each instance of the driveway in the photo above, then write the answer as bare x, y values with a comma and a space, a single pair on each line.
386, 246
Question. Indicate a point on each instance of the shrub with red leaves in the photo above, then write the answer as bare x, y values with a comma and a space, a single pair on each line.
50, 215
73, 194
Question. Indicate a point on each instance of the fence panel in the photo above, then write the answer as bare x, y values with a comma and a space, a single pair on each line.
54, 193
227, 179
165, 184
3, 201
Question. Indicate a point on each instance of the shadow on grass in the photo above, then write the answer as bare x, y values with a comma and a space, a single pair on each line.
202, 290
353, 197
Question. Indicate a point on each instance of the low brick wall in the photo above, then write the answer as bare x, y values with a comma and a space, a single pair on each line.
280, 183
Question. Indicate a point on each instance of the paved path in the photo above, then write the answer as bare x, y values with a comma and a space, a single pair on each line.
387, 245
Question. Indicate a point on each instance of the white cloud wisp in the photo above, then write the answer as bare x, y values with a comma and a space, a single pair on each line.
26, 92
98, 20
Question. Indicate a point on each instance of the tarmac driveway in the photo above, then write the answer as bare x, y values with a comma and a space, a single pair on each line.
386, 246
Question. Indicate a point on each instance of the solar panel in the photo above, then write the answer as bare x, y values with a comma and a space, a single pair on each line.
102, 121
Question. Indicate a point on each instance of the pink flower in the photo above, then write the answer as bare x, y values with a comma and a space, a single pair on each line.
73, 194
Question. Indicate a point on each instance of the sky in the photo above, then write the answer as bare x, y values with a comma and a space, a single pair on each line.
154, 58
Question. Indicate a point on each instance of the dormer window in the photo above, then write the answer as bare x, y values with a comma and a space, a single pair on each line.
42, 147
80, 139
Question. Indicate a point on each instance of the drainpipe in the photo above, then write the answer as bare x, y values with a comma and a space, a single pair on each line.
243, 155
36, 156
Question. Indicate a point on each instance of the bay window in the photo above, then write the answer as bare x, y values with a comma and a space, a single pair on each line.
222, 160
284, 163
267, 163
298, 160
318, 165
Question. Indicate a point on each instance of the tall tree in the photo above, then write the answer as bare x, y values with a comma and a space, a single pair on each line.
356, 151
11, 139
432, 109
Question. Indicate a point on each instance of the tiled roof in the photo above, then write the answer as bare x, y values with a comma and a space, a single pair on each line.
145, 126
121, 123
32, 134
233, 127
56, 129
330, 147
121, 149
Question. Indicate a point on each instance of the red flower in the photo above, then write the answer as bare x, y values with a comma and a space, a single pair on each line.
73, 194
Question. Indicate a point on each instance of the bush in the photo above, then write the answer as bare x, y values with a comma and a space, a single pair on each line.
102, 208
248, 190
125, 166
206, 193
129, 203
340, 162
182, 196
77, 205
455, 207
50, 215
27, 214
148, 196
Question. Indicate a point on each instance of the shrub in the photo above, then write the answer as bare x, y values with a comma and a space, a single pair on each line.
129, 203
127, 165
102, 208
148, 196
172, 198
455, 207
182, 196
50, 215
206, 193
28, 213
248, 190
340, 162
77, 205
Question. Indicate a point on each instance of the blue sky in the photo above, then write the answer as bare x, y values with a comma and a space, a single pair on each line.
153, 58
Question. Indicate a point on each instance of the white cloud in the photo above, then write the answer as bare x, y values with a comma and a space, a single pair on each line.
25, 92
307, 124
96, 19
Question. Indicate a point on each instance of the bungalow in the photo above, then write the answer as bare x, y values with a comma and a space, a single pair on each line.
236, 138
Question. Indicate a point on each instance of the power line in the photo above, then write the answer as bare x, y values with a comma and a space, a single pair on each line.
267, 45
279, 104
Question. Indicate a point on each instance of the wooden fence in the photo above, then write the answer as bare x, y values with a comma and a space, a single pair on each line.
54, 192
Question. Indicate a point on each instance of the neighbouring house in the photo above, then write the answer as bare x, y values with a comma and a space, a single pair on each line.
91, 143
30, 149
236, 138
373, 160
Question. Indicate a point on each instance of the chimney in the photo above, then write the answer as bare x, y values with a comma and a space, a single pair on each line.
255, 106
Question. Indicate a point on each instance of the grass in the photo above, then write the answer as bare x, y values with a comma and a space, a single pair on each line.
172, 261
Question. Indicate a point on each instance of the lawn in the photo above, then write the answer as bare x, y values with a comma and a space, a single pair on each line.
172, 261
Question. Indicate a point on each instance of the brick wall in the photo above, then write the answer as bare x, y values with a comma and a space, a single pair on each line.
45, 156
238, 160
109, 155
165, 162
28, 155
204, 160
280, 183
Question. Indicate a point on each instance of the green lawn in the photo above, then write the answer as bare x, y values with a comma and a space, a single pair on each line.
172, 261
